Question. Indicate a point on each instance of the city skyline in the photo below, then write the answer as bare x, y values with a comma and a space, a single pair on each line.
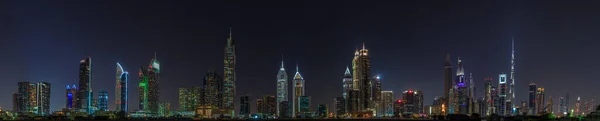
409, 60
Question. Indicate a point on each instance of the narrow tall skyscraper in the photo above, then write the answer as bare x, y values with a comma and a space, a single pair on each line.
532, 99
84, 96
361, 67
347, 83
121, 96
153, 88
512, 73
143, 89
298, 91
229, 73
282, 86
502, 93
447, 80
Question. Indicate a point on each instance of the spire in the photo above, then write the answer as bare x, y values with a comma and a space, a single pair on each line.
297, 67
363, 45
281, 60
230, 39
448, 62
297, 75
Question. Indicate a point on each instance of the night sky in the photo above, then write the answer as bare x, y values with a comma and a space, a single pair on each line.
556, 44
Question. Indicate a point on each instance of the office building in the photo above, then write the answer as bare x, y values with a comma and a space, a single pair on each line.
143, 89
245, 106
282, 86
103, 101
461, 92
153, 88
213, 89
412, 102
539, 100
270, 105
84, 96
488, 96
322, 111
361, 67
347, 83
71, 97
260, 106
164, 109
304, 105
448, 83
387, 103
297, 92
376, 100
33, 98
502, 93
229, 77
285, 109
340, 106
121, 92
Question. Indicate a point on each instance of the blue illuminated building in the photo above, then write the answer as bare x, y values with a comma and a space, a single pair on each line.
121, 97
71, 97
103, 101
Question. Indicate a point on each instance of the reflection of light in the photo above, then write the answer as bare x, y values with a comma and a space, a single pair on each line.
377, 77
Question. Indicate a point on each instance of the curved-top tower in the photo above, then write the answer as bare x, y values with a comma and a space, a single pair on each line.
121, 97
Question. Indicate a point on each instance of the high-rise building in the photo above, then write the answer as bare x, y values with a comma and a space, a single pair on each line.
481, 106
511, 91
103, 101
229, 73
189, 98
361, 67
347, 83
567, 102
84, 98
472, 99
340, 106
15, 102
502, 93
164, 109
245, 106
304, 105
376, 100
270, 105
488, 97
412, 102
322, 111
577, 107
437, 105
387, 103
33, 97
285, 109
561, 106
399, 108
121, 96
539, 100
495, 101
71, 98
462, 91
213, 89
298, 91
549, 105
447, 79
282, 86
153, 88
352, 101
532, 99
143, 89
260, 105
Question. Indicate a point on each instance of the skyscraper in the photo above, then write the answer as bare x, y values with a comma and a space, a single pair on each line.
153, 88
532, 99
347, 83
377, 96
285, 109
539, 100
361, 67
213, 89
511, 92
84, 98
503, 89
304, 105
229, 74
245, 106
412, 102
298, 91
143, 89
472, 98
43, 98
561, 106
489, 102
322, 111
189, 98
340, 106
270, 105
447, 79
121, 96
462, 91
33, 97
549, 105
103, 101
282, 86
71, 98
387, 103
260, 105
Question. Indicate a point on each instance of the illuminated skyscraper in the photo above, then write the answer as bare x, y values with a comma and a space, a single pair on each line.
447, 79
164, 109
377, 96
43, 98
71, 94
539, 100
361, 67
532, 99
511, 92
577, 107
270, 105
189, 98
561, 106
412, 102
472, 98
340, 106
84, 98
298, 91
121, 96
321, 111
34, 97
260, 106
143, 89
285, 109
489, 102
347, 83
153, 88
213, 89
462, 91
282, 86
304, 105
103, 101
549, 105
502, 93
229, 74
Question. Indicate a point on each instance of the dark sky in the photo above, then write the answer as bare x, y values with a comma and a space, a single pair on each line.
556, 44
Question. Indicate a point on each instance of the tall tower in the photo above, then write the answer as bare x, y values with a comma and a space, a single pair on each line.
377, 98
282, 86
143, 89
298, 91
213, 89
103, 101
512, 73
71, 98
84, 96
502, 93
447, 79
43, 98
361, 67
462, 91
229, 73
153, 80
347, 83
121, 97
489, 102
532, 99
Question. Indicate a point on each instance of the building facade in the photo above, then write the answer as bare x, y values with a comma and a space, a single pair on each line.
340, 106
387, 103
245, 106
282, 86
347, 83
502, 93
71, 97
448, 83
539, 100
103, 101
153, 88
297, 92
213, 89
532, 102
121, 92
33, 97
84, 96
361, 67
229, 74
